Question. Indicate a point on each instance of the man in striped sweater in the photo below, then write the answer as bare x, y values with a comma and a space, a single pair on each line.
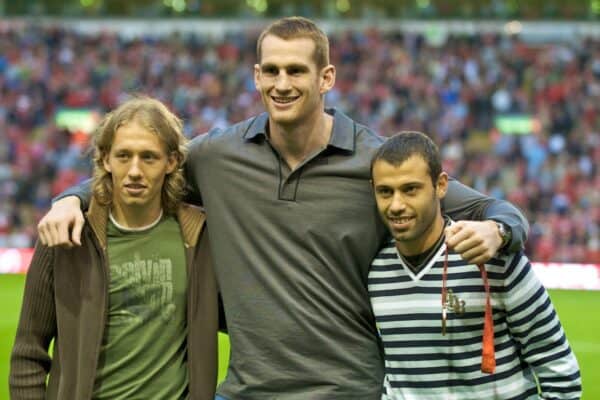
450, 329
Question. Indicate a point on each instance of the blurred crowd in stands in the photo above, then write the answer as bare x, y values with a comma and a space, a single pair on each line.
388, 81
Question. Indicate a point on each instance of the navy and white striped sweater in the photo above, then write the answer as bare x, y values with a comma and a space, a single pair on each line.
421, 363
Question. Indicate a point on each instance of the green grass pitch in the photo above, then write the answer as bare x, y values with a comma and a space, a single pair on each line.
578, 311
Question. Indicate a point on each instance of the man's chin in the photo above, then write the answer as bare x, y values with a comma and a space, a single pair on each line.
136, 202
284, 118
402, 236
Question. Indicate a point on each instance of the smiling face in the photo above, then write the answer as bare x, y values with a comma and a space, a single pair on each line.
138, 164
409, 203
288, 79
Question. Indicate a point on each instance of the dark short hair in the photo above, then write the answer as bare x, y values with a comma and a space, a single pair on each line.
404, 145
298, 27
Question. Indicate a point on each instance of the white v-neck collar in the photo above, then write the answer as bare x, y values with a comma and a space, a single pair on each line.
426, 268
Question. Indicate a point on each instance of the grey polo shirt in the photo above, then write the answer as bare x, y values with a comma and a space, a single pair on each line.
292, 251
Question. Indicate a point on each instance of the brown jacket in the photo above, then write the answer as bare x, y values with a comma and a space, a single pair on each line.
66, 299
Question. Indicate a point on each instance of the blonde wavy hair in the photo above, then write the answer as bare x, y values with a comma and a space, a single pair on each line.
156, 118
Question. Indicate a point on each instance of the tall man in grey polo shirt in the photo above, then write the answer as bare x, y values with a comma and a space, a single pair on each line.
293, 228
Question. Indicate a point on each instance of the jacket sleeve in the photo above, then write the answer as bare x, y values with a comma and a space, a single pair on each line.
30, 362
462, 203
534, 324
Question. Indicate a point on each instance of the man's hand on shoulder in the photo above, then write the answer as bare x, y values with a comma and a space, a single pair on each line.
62, 225
475, 241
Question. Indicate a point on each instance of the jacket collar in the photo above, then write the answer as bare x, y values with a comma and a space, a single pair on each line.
190, 218
342, 137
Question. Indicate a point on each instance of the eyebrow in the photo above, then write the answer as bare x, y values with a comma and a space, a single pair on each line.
128, 150
402, 186
302, 67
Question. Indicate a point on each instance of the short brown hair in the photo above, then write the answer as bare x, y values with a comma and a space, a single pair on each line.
406, 144
155, 117
298, 27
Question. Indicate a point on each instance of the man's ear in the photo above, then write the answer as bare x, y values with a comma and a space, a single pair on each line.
327, 79
171, 162
256, 76
442, 185
106, 164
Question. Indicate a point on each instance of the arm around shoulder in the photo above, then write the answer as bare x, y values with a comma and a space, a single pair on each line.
62, 225
464, 203
82, 191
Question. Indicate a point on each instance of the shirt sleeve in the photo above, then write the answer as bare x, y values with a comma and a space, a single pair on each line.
30, 361
197, 149
462, 202
534, 324
83, 191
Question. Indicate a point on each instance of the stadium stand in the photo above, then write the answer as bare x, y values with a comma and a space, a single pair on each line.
516, 120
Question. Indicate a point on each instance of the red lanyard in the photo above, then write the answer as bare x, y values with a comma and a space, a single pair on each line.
488, 357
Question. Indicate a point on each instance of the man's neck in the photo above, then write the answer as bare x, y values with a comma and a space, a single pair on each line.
135, 217
416, 262
425, 241
296, 143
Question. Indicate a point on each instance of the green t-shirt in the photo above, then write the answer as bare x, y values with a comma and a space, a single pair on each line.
143, 354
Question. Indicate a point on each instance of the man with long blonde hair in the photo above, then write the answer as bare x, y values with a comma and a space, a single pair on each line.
132, 312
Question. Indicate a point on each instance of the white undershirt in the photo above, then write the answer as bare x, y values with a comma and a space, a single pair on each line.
138, 229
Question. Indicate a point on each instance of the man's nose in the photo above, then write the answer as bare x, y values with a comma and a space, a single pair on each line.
398, 204
282, 82
134, 168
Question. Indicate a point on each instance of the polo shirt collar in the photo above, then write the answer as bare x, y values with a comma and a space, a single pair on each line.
342, 137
